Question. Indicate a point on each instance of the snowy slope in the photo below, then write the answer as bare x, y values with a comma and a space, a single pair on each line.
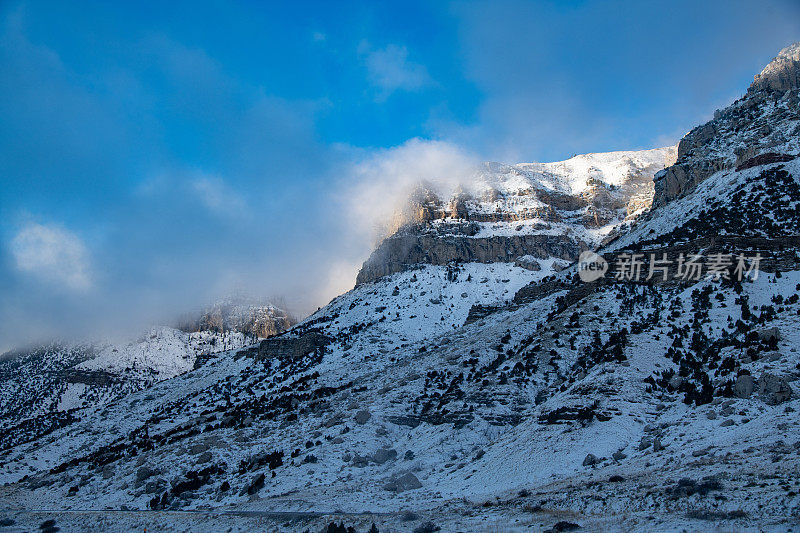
575, 175
162, 353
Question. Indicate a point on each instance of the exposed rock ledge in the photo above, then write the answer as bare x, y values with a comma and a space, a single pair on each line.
401, 251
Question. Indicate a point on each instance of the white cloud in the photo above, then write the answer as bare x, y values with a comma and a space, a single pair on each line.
382, 181
217, 196
390, 70
52, 254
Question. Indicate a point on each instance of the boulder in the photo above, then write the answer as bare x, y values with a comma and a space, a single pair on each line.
335, 420
108, 471
204, 457
151, 487
144, 473
196, 449
362, 417
360, 461
528, 262
743, 388
768, 334
774, 389
590, 460
383, 455
407, 481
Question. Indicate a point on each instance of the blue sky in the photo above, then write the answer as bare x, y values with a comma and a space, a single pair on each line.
154, 156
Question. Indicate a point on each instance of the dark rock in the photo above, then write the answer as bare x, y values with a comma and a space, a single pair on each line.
204, 457
144, 473
744, 386
360, 461
383, 455
769, 334
564, 526
256, 485
407, 481
362, 417
774, 389
688, 487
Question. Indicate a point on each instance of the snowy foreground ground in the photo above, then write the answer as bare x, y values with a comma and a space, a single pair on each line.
730, 465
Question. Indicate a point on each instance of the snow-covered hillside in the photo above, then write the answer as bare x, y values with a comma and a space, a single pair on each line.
162, 353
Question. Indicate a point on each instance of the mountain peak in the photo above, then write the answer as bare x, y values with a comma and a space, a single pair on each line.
782, 73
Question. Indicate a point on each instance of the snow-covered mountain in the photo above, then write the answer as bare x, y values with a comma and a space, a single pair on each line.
472, 380
535, 211
44, 387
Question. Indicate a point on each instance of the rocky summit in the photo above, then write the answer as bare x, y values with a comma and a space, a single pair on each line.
762, 126
476, 378
526, 213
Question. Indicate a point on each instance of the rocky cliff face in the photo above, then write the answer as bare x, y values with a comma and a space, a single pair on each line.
505, 212
764, 122
251, 317
414, 246
782, 74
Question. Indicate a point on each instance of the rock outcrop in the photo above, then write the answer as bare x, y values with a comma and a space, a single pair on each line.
290, 347
401, 251
764, 121
252, 317
782, 74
